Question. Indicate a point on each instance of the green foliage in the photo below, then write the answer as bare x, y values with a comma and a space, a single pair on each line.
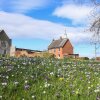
48, 79
47, 55
85, 58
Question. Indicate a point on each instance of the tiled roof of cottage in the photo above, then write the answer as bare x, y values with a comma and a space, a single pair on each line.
58, 43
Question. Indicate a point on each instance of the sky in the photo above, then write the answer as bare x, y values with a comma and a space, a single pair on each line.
32, 24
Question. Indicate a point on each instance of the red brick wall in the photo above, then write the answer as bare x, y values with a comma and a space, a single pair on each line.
56, 52
68, 48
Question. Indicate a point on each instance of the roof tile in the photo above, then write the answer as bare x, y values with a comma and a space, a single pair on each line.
57, 43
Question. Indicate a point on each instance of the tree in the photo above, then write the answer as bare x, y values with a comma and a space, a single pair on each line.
95, 25
96, 2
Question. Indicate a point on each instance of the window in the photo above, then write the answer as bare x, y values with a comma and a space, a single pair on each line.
59, 55
3, 44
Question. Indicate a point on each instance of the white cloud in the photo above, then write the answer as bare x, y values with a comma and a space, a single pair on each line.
74, 12
25, 5
21, 26
22, 6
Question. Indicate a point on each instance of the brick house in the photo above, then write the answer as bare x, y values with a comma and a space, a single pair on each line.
5, 43
61, 48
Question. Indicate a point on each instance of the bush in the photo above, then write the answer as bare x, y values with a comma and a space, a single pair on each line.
48, 55
85, 58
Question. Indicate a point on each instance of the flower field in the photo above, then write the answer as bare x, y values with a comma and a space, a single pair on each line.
49, 79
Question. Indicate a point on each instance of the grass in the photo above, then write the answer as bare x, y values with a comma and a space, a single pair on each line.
49, 79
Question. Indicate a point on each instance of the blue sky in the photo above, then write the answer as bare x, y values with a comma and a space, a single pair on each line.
33, 24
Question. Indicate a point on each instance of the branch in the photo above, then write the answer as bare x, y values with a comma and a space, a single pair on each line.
95, 2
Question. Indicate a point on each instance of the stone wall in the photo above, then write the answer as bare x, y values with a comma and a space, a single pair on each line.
4, 48
12, 51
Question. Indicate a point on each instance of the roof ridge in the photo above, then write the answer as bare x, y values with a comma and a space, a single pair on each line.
57, 43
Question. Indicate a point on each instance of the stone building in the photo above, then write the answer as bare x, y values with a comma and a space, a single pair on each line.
5, 43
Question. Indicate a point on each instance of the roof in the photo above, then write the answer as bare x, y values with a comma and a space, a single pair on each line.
4, 37
29, 50
58, 43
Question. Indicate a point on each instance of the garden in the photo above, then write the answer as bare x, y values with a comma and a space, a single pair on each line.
49, 79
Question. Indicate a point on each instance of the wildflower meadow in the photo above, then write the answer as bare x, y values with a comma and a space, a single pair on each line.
49, 79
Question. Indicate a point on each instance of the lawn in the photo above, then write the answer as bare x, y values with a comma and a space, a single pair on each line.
49, 79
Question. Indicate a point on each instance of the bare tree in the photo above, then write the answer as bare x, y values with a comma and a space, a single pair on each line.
96, 2
95, 25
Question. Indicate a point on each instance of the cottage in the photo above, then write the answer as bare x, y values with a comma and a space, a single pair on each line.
5, 43
61, 48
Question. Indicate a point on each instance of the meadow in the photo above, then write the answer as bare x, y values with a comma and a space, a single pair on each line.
49, 79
